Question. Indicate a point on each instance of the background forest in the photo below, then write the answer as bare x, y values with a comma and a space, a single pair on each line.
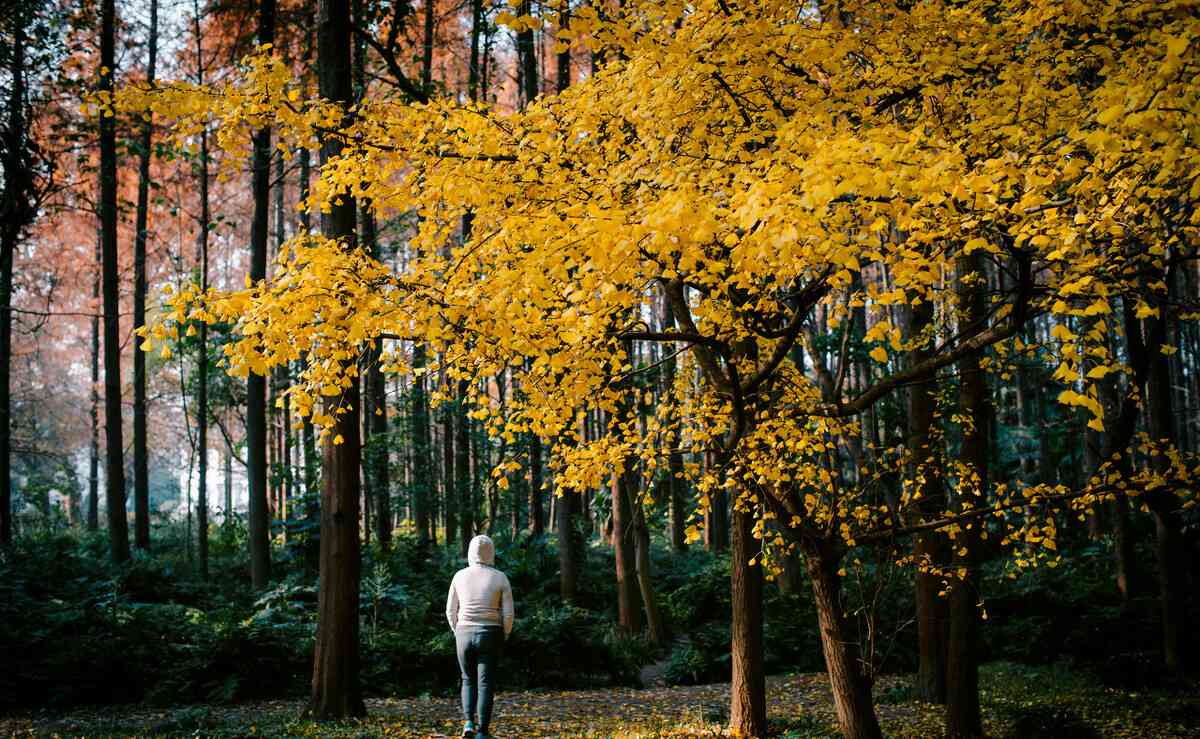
846, 353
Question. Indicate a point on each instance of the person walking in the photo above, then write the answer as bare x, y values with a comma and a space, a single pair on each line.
479, 608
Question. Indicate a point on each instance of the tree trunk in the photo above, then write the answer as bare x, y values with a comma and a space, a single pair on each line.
624, 487
228, 481
851, 688
312, 498
536, 509
676, 492
114, 465
379, 456
421, 467
141, 482
963, 719
645, 579
462, 469
256, 410
202, 368
93, 511
421, 464
449, 479
748, 709
336, 692
1172, 572
568, 510
623, 549
716, 522
930, 502
526, 59
16, 213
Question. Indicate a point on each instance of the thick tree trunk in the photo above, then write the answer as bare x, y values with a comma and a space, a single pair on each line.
256, 410
114, 452
930, 501
141, 482
748, 707
16, 212
963, 719
527, 59
623, 549
1172, 561
336, 692
851, 688
624, 487
568, 510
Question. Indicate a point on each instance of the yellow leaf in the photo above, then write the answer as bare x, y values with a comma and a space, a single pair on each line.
974, 244
879, 354
1176, 46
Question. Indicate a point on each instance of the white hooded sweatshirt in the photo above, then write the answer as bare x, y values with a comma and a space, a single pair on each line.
480, 594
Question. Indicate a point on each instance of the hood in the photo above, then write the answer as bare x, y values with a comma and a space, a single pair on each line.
482, 551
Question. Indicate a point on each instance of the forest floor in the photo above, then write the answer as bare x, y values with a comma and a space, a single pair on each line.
1017, 702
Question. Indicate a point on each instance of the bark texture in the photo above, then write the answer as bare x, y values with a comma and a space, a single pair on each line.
256, 385
114, 464
336, 691
748, 706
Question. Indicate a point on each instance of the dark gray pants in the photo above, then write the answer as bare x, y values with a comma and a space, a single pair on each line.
478, 652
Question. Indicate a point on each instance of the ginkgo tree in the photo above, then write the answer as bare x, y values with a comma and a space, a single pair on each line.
750, 163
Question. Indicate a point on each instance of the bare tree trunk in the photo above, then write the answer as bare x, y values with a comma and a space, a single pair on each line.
622, 525
716, 518
93, 510
462, 469
114, 467
380, 475
527, 59
141, 481
568, 511
256, 410
676, 492
17, 211
228, 481
623, 487
748, 707
645, 577
1172, 572
421, 470
336, 692
931, 501
449, 487
537, 525
963, 719
851, 689
202, 368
